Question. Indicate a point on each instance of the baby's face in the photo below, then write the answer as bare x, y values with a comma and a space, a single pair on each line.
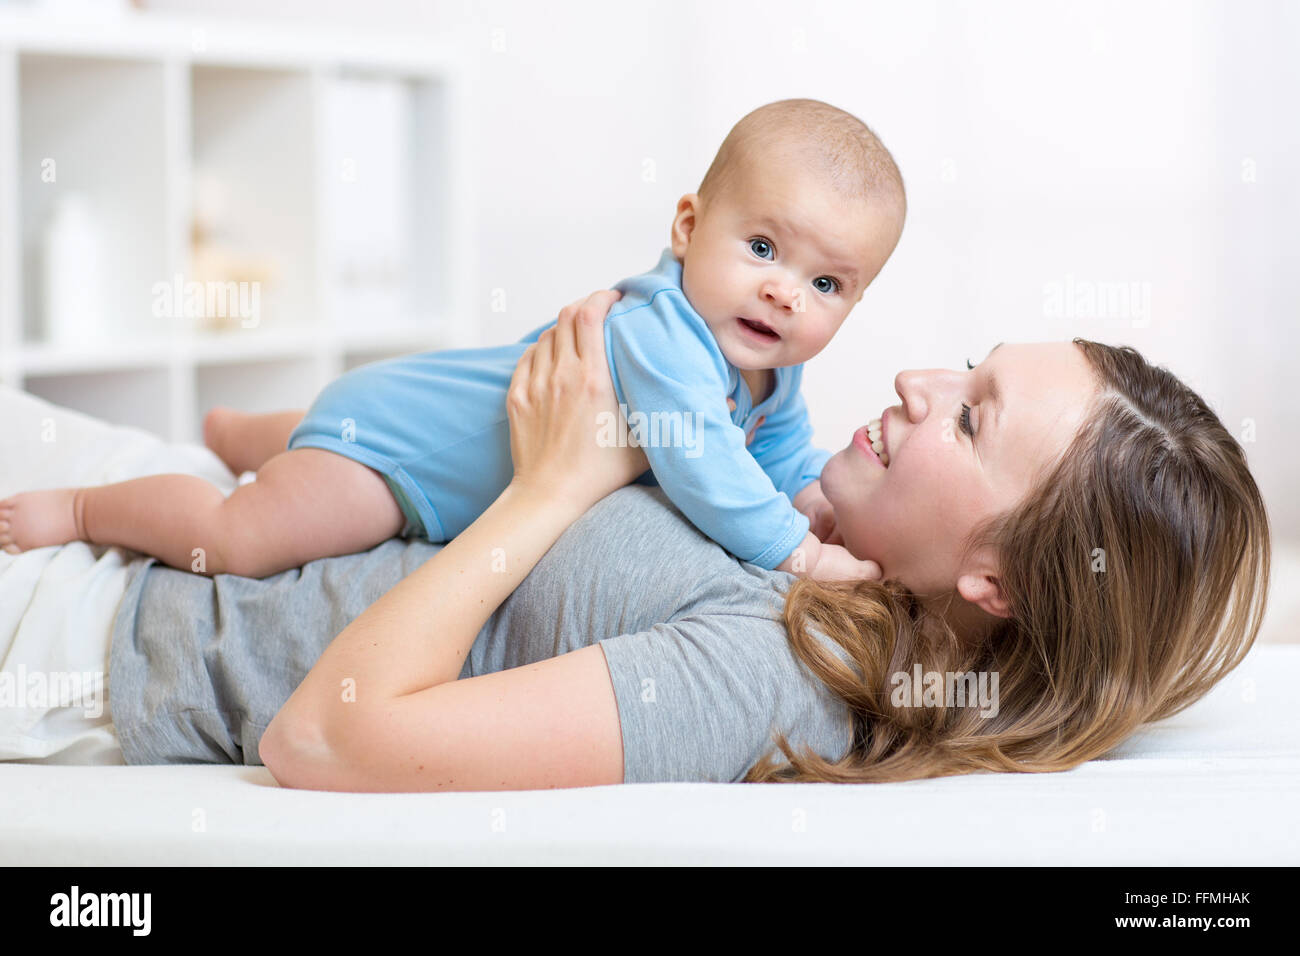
775, 263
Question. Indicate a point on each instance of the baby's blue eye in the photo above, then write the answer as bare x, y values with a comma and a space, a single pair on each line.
830, 284
761, 248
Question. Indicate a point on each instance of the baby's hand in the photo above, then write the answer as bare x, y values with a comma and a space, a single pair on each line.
731, 405
838, 564
812, 504
827, 562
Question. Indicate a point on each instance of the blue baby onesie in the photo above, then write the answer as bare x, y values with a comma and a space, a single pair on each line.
434, 424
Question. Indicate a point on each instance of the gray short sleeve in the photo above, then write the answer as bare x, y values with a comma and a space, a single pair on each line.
698, 699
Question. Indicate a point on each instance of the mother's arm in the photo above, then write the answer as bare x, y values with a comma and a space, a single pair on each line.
382, 708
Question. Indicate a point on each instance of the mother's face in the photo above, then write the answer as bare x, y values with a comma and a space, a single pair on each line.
951, 469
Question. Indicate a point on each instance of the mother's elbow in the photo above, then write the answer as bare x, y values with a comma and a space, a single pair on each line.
296, 752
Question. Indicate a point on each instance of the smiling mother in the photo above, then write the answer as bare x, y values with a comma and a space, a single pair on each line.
1064, 516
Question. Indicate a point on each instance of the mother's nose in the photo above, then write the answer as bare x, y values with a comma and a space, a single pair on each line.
920, 387
910, 384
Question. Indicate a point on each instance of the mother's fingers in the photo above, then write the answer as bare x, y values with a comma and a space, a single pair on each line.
591, 318
523, 373
579, 313
543, 361
565, 340
599, 302
589, 333
578, 328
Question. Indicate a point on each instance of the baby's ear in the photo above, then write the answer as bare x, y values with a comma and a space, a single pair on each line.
684, 223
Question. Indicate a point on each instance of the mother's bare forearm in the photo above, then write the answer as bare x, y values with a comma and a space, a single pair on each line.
419, 633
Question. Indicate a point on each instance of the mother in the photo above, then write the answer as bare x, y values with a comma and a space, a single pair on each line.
1063, 515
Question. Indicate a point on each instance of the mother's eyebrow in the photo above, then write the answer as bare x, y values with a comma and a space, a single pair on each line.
995, 392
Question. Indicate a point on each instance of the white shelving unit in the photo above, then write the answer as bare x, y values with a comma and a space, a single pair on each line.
338, 168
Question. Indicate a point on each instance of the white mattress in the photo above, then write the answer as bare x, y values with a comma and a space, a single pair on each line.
1217, 784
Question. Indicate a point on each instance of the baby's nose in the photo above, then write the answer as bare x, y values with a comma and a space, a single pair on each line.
779, 293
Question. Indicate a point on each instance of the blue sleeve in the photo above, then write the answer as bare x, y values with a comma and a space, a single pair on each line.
783, 445
665, 363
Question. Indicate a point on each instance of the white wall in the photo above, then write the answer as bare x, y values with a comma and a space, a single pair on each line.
1041, 142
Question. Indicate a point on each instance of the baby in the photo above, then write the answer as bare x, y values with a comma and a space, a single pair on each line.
797, 214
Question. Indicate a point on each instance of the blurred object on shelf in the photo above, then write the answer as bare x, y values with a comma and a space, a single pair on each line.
71, 271
368, 145
219, 257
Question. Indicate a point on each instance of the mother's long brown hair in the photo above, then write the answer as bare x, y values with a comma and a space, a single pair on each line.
1137, 573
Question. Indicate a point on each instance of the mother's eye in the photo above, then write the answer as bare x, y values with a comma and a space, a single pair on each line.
963, 420
761, 248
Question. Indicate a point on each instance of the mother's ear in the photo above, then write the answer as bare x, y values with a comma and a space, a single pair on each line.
980, 584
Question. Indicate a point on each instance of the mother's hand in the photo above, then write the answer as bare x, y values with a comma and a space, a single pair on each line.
563, 411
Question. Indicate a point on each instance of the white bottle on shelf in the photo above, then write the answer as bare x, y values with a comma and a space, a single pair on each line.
72, 279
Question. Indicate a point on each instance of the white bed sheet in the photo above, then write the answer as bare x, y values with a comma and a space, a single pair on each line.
1217, 784
57, 604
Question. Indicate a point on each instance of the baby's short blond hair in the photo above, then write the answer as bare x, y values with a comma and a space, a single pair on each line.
853, 158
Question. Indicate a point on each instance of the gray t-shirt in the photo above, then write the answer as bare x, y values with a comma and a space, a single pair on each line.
701, 666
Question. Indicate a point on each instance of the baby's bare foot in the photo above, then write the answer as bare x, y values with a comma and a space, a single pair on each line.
38, 519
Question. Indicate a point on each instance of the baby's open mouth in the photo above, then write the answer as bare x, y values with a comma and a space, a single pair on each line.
759, 328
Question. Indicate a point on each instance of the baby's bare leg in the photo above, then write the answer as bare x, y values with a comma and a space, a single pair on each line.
245, 442
306, 504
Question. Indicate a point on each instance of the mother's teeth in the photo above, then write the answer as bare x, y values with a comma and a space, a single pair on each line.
874, 434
